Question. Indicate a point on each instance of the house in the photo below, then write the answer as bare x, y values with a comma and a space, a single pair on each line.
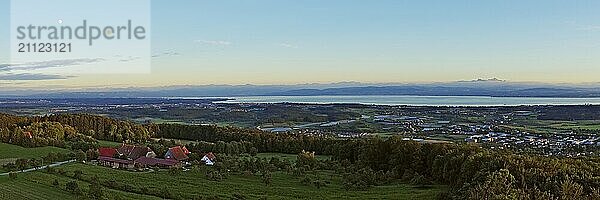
124, 157
131, 157
176, 153
133, 152
209, 159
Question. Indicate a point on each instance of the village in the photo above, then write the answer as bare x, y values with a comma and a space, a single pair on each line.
569, 145
135, 157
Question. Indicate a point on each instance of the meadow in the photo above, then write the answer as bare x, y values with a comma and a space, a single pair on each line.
13, 151
10, 153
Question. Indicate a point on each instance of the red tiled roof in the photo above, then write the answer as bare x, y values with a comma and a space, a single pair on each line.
176, 153
211, 156
134, 152
125, 149
107, 152
139, 151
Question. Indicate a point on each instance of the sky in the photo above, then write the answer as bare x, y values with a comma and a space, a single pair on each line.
198, 42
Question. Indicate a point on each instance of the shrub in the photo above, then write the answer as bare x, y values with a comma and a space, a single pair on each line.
267, 178
12, 175
72, 187
306, 180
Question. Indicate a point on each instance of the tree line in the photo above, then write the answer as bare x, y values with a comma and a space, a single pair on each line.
80, 131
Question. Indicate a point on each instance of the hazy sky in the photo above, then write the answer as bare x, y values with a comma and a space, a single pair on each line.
299, 41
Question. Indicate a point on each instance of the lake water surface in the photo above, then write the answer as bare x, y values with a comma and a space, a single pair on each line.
419, 100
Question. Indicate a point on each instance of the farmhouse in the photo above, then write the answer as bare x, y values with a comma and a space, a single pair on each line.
132, 156
177, 153
209, 159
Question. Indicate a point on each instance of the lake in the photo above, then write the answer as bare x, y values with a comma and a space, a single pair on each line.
418, 100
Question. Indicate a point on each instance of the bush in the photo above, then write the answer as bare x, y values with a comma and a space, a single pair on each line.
72, 187
239, 196
306, 180
77, 174
80, 156
214, 175
319, 183
307, 159
253, 151
12, 176
419, 180
267, 178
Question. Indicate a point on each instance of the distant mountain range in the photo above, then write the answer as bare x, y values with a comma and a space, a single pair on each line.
446, 91
479, 87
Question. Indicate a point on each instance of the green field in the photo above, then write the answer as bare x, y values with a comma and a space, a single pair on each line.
24, 189
575, 125
551, 126
193, 184
13, 151
38, 185
103, 143
9, 153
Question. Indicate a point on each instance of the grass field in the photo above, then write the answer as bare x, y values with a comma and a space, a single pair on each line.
193, 184
9, 153
13, 151
38, 185
551, 126
24, 189
575, 125
103, 143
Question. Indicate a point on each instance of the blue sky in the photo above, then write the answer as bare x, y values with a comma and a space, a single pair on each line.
287, 42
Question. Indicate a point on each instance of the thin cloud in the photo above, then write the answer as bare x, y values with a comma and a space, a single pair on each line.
4, 67
589, 27
31, 77
288, 45
50, 64
583, 27
168, 52
214, 42
128, 59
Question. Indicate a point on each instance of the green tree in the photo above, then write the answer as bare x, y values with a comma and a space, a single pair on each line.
80, 156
